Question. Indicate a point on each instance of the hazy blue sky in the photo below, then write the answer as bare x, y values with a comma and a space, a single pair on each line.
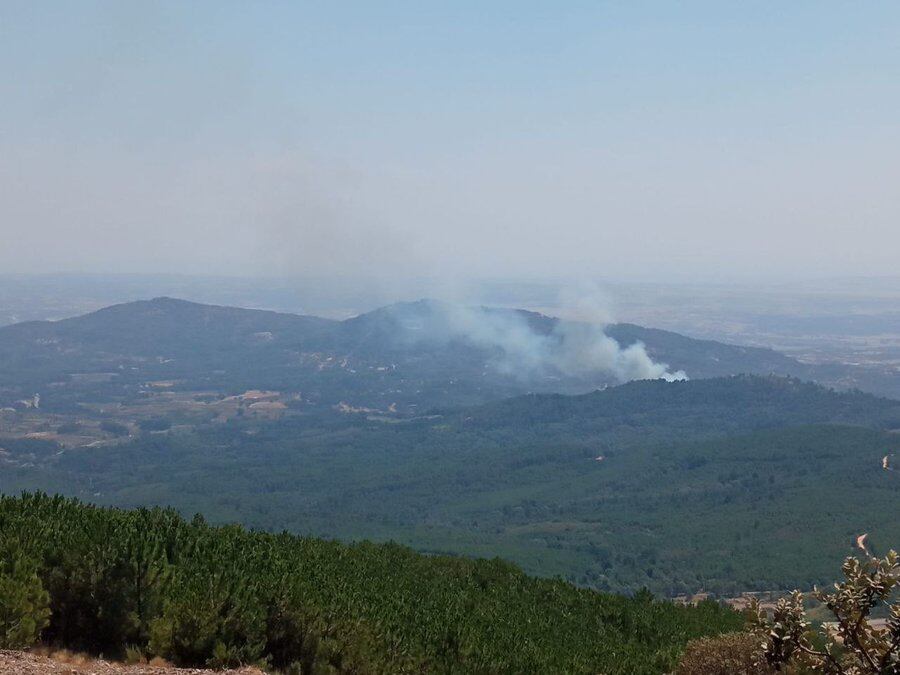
627, 139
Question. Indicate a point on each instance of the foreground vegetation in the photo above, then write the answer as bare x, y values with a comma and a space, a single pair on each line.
850, 645
783, 641
146, 581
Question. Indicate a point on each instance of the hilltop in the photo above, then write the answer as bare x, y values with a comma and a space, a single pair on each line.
695, 406
409, 355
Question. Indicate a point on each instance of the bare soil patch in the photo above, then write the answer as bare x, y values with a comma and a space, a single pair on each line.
25, 663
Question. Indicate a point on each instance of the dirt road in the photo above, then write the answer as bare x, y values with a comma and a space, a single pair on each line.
23, 663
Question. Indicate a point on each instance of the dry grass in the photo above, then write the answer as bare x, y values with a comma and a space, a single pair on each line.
63, 656
44, 660
159, 662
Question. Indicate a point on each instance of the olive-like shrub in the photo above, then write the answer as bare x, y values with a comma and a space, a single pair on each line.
852, 644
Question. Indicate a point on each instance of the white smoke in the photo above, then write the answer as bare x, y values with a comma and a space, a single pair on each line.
586, 348
529, 345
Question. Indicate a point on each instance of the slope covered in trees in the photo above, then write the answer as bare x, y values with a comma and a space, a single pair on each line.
721, 485
412, 355
103, 580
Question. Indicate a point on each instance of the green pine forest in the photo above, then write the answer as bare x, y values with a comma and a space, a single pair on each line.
148, 582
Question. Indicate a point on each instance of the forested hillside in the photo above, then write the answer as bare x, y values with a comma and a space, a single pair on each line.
721, 485
716, 405
105, 580
410, 356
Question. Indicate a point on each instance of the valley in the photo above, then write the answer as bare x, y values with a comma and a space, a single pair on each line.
396, 425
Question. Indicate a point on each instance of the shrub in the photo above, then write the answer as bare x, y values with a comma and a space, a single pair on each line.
855, 646
729, 654
134, 655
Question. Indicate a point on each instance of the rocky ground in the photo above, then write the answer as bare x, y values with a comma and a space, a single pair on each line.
24, 663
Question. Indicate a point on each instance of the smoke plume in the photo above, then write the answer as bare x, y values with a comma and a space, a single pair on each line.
529, 345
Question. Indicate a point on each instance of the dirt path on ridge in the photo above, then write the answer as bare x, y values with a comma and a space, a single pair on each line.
24, 663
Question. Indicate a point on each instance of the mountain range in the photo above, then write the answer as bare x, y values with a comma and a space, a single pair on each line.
408, 357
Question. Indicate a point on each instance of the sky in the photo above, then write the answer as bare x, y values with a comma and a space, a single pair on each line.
618, 140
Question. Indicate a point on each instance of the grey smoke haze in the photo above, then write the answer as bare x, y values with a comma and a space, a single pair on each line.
529, 347
628, 140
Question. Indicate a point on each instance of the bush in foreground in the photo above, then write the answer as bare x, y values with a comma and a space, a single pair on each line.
852, 645
729, 654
